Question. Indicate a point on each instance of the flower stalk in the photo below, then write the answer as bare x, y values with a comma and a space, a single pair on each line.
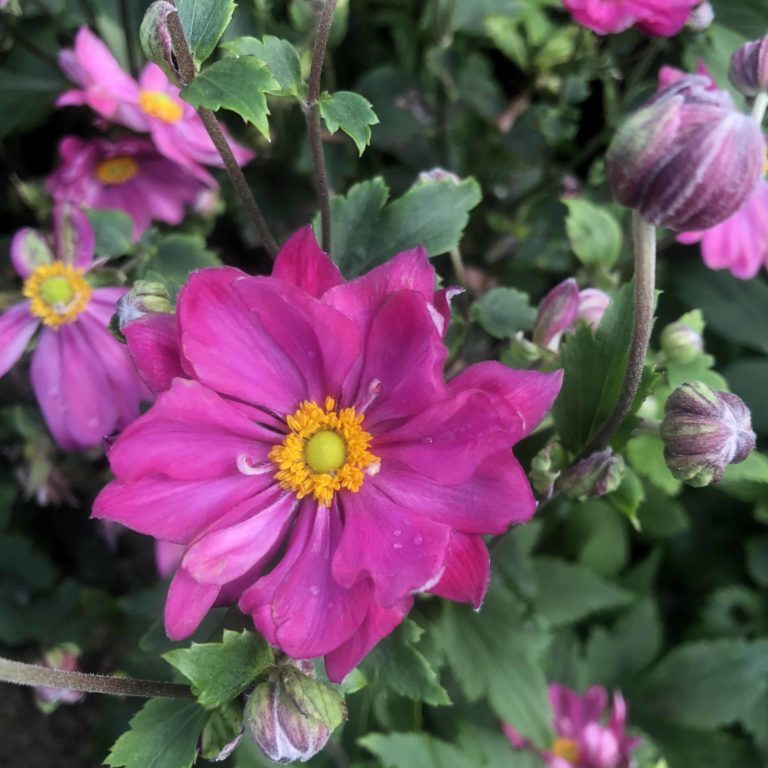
312, 116
187, 73
34, 675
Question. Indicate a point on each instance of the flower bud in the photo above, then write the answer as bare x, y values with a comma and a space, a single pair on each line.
521, 353
592, 305
680, 343
557, 312
598, 474
546, 466
145, 297
439, 174
701, 17
292, 716
687, 159
156, 39
64, 657
703, 432
749, 67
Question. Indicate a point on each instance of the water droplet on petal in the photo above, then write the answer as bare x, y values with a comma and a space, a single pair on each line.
418, 539
428, 440
397, 532
314, 590
397, 545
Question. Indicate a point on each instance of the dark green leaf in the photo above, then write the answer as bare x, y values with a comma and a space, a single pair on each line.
23, 565
177, 255
757, 559
350, 112
593, 232
113, 230
278, 56
502, 312
748, 378
204, 22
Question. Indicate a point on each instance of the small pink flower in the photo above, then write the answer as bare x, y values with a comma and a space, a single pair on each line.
663, 18
150, 105
311, 458
128, 175
66, 659
83, 379
583, 739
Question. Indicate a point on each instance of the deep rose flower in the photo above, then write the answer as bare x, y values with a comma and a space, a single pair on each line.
150, 105
310, 456
663, 18
582, 739
83, 379
127, 175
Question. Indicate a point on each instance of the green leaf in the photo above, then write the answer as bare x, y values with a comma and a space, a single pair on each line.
403, 668
593, 232
177, 255
204, 22
706, 684
748, 378
221, 671
113, 231
496, 653
502, 312
568, 593
23, 565
745, 17
757, 559
646, 455
350, 112
414, 750
594, 370
238, 84
224, 726
163, 734
278, 56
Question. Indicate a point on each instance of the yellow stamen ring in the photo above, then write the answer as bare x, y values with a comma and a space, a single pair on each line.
116, 170
325, 451
58, 293
567, 749
161, 106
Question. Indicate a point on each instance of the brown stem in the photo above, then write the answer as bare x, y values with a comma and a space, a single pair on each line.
44, 677
312, 114
187, 73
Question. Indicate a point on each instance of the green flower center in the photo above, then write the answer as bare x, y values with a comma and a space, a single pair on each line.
325, 451
56, 290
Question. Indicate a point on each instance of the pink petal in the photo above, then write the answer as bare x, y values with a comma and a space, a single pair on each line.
186, 605
397, 549
17, 326
153, 341
467, 571
73, 235
29, 250
302, 263
378, 623
167, 557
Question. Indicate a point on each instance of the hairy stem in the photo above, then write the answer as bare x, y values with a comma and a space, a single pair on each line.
312, 114
32, 674
187, 73
760, 106
644, 237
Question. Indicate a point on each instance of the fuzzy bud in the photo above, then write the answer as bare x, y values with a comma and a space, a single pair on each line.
680, 343
687, 159
597, 475
144, 298
703, 432
292, 716
156, 38
557, 312
749, 68
546, 466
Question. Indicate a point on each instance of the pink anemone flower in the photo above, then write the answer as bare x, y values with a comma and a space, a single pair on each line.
582, 738
311, 458
662, 18
150, 105
128, 175
83, 378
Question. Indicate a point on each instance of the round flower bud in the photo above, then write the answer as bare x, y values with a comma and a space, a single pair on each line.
145, 297
687, 159
680, 343
749, 67
546, 466
557, 312
701, 17
597, 475
592, 305
703, 432
156, 39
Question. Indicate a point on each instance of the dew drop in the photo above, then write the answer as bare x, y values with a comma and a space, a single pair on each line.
397, 532
418, 539
314, 590
428, 440
397, 545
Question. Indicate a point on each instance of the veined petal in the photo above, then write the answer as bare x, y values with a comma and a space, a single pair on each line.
186, 605
302, 263
17, 326
467, 571
153, 341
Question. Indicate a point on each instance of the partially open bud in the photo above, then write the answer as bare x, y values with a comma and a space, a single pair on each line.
144, 297
687, 159
681, 343
546, 466
557, 312
156, 39
703, 432
292, 715
598, 474
592, 305
701, 17
749, 67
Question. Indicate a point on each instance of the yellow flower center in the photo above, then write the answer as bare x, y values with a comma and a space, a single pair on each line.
160, 105
58, 293
325, 451
567, 749
117, 170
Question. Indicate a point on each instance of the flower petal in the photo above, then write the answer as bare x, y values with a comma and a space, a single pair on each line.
302, 263
73, 235
467, 571
17, 326
186, 605
29, 250
153, 341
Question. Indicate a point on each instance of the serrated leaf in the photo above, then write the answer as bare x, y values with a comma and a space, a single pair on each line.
502, 312
350, 112
177, 255
593, 232
204, 22
238, 84
163, 734
113, 231
277, 55
568, 593
221, 671
414, 750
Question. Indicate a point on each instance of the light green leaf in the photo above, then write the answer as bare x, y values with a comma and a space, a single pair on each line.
593, 232
163, 734
238, 84
502, 312
224, 727
350, 112
414, 750
646, 455
278, 56
113, 231
204, 22
221, 671
177, 255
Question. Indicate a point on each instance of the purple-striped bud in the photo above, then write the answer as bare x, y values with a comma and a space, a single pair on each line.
703, 432
598, 474
687, 159
749, 68
592, 305
557, 312
156, 39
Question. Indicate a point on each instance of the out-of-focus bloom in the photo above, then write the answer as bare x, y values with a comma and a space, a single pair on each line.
749, 67
703, 432
681, 343
150, 105
671, 75
84, 380
64, 658
439, 174
313, 461
592, 305
586, 736
156, 40
686, 159
663, 18
593, 476
702, 17
127, 175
